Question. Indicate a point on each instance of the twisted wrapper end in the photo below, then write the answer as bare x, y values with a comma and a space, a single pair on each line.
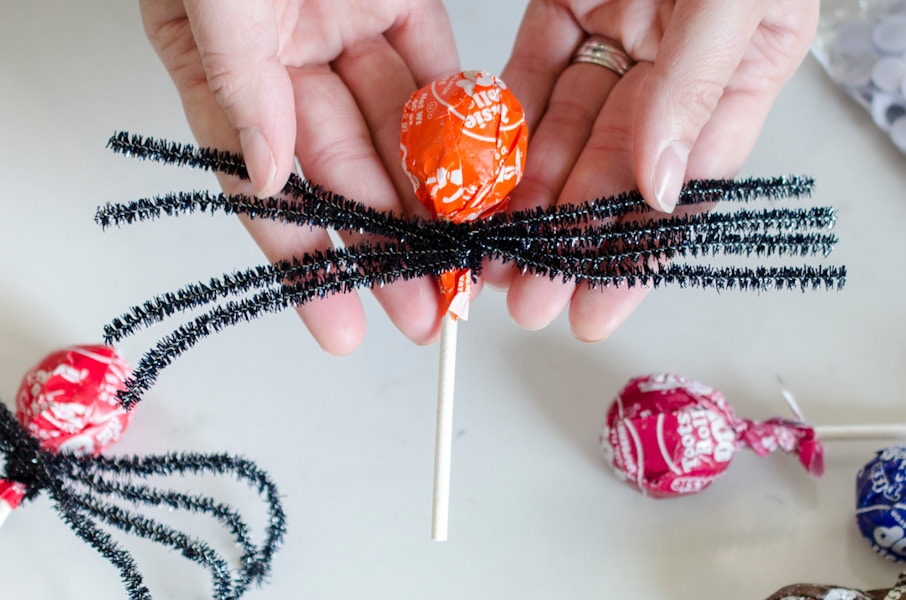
790, 437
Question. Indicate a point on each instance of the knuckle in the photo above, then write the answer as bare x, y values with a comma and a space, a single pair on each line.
224, 79
532, 66
611, 137
571, 114
698, 100
343, 154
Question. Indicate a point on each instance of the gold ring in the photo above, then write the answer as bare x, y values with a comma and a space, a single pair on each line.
604, 52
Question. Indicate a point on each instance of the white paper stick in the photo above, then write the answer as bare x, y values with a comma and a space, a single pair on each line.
444, 437
844, 432
860, 432
5, 509
790, 399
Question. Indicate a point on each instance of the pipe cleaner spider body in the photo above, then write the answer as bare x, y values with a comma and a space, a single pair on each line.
584, 243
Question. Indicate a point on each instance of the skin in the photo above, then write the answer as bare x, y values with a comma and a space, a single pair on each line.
708, 71
325, 81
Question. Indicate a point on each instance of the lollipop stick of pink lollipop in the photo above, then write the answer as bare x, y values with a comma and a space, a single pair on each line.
860, 432
463, 146
853, 432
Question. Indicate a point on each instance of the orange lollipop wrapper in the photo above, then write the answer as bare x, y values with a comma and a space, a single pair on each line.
463, 145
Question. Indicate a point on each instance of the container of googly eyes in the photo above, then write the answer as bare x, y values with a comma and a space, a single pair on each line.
862, 46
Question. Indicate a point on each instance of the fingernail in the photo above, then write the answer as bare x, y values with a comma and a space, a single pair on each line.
258, 159
669, 175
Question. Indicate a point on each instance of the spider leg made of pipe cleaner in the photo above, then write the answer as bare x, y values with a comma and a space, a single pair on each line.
81, 486
782, 219
322, 272
586, 243
354, 271
740, 233
691, 234
695, 192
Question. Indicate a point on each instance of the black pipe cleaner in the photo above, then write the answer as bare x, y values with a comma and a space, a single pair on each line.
89, 491
585, 243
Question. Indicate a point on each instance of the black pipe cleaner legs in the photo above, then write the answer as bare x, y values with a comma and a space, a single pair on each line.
585, 243
88, 492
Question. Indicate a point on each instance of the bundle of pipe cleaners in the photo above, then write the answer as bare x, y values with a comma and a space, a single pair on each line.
585, 243
66, 414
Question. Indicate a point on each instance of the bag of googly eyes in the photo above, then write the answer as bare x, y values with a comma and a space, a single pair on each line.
862, 46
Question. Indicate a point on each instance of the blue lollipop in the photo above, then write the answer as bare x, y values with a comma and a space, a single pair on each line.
880, 503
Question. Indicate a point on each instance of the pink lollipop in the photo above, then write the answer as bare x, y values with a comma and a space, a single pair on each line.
670, 436
68, 402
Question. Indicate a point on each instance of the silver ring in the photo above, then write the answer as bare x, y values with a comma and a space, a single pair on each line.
604, 52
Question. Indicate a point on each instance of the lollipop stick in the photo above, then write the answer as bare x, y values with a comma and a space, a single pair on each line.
860, 432
5, 509
444, 436
845, 432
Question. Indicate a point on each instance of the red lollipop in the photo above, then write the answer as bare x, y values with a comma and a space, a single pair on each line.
68, 402
670, 436
463, 146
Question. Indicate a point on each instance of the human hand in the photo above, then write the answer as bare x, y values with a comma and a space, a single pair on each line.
692, 106
324, 80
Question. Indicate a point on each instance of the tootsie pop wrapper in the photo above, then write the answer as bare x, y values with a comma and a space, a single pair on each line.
810, 591
881, 503
667, 436
463, 145
68, 403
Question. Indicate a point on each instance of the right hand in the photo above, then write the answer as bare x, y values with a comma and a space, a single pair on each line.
324, 81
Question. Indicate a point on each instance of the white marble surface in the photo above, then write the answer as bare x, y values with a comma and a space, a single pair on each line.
535, 512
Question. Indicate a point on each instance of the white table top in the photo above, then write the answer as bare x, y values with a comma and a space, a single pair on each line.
536, 514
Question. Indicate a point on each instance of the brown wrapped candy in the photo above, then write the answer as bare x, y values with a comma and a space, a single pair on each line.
811, 591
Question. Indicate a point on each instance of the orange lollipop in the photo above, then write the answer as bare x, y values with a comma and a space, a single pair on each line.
463, 146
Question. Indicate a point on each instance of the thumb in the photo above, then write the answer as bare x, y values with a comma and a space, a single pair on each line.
238, 44
702, 46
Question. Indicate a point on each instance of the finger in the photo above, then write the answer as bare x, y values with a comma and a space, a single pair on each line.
239, 48
605, 169
563, 170
703, 45
335, 149
424, 41
595, 314
728, 138
733, 129
337, 322
380, 83
547, 38
559, 138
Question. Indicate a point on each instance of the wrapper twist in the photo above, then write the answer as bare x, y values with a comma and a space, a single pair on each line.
669, 436
67, 413
881, 503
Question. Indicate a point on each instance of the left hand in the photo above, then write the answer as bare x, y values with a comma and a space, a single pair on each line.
692, 106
